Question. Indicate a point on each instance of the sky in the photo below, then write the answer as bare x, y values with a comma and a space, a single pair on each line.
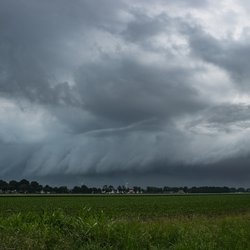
121, 91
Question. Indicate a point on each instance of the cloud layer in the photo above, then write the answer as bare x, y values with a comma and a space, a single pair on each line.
125, 89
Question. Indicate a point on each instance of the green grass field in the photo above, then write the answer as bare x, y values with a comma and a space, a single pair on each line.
125, 222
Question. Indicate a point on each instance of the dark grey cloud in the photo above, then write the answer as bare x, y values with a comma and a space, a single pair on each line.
228, 54
176, 3
224, 118
191, 3
33, 41
144, 27
126, 89
122, 90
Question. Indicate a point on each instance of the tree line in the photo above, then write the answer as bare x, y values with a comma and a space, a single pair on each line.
33, 187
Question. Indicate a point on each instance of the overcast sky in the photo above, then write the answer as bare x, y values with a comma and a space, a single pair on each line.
145, 92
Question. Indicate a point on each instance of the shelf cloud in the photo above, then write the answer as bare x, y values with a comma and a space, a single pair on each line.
124, 88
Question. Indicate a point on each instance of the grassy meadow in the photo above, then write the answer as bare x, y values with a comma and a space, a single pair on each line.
125, 222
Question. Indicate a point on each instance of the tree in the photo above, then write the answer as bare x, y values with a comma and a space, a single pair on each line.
137, 189
23, 186
48, 189
105, 188
13, 185
84, 189
62, 190
35, 187
110, 188
76, 190
4, 185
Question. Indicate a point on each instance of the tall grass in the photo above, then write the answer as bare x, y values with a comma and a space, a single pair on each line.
95, 230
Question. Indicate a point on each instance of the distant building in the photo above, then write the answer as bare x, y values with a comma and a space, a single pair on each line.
131, 191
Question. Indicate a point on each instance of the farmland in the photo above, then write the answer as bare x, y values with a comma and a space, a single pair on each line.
125, 222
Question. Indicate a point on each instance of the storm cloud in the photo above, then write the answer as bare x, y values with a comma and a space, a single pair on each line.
125, 90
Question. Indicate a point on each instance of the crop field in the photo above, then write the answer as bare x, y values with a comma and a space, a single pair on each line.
125, 222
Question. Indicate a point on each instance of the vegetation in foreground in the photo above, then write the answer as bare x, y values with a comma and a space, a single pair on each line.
139, 222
